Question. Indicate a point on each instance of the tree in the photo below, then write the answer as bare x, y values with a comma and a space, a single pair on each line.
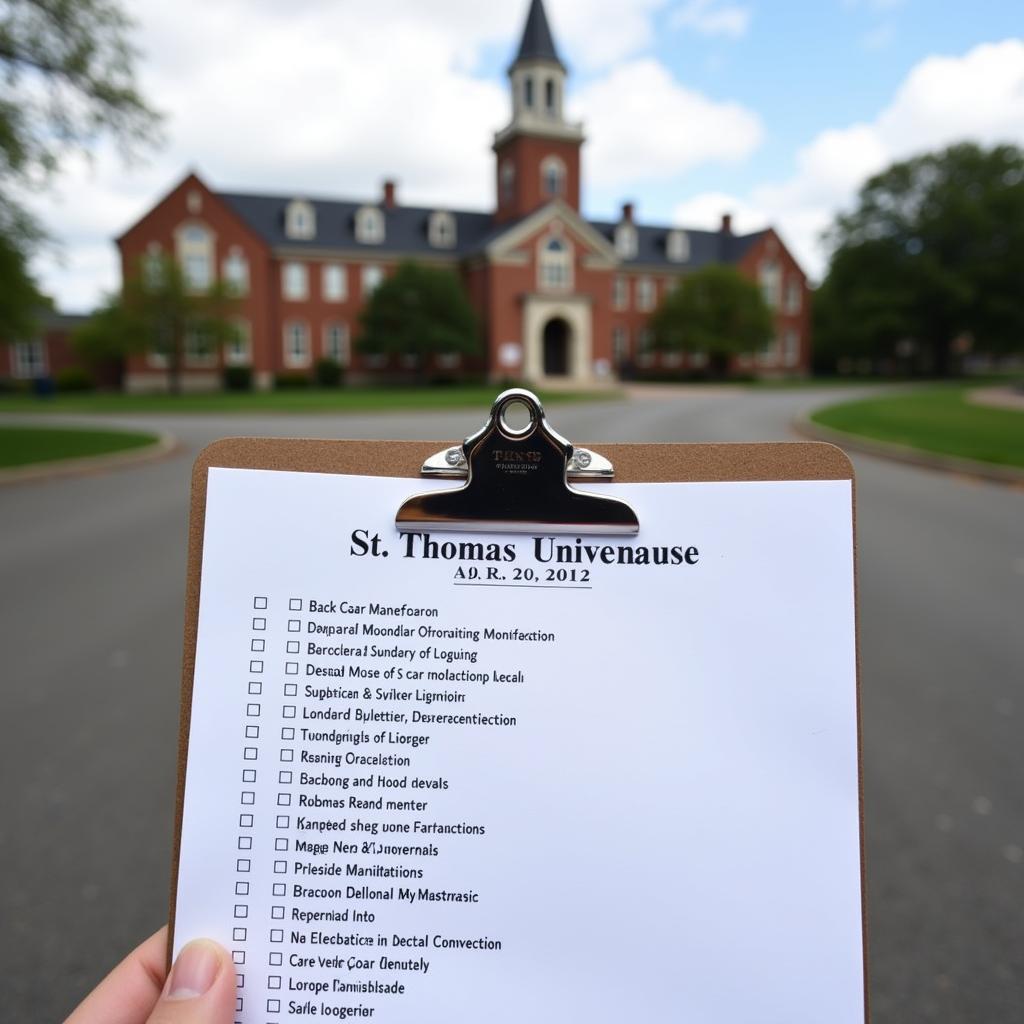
419, 311
158, 311
932, 255
716, 311
66, 78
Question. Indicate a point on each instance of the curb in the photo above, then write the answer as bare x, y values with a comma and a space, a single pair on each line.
991, 472
165, 444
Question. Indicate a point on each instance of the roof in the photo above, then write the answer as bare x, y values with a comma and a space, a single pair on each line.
406, 232
537, 42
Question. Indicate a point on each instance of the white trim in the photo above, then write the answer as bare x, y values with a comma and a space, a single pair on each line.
300, 220
508, 241
369, 228
291, 360
338, 271
441, 230
290, 290
344, 354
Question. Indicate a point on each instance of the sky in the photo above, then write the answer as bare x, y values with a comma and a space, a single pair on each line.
773, 110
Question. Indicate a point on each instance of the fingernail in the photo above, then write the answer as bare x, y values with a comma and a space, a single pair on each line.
194, 971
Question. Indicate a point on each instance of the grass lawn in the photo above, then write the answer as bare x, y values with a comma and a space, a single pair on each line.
22, 446
311, 400
936, 419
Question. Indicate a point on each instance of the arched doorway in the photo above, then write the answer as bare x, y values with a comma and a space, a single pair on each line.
556, 348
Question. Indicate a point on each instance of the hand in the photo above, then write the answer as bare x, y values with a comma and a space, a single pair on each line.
200, 990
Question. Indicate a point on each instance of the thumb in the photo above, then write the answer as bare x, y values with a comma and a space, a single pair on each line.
200, 988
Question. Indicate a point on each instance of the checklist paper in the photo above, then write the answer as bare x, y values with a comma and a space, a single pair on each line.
445, 777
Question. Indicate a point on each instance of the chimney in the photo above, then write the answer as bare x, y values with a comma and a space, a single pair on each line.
627, 212
726, 223
390, 200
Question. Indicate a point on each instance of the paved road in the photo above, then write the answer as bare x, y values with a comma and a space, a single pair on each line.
92, 590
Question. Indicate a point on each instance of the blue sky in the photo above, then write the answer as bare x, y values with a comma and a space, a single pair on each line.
774, 111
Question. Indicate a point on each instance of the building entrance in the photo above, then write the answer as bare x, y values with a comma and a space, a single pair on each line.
556, 348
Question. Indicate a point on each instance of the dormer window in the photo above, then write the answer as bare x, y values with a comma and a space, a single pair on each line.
300, 220
677, 246
369, 226
626, 241
441, 230
552, 176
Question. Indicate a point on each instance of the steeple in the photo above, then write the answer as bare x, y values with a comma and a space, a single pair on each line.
537, 43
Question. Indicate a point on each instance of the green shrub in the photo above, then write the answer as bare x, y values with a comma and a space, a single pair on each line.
74, 378
291, 380
328, 373
10, 386
238, 378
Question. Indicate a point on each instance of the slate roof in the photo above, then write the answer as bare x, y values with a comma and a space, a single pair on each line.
405, 232
537, 42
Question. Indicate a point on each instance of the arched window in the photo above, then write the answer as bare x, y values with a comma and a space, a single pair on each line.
508, 182
677, 246
770, 278
300, 219
441, 230
195, 254
236, 271
555, 265
625, 240
552, 176
549, 97
369, 226
528, 91
297, 352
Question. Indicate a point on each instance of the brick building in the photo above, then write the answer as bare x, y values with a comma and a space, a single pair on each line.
560, 297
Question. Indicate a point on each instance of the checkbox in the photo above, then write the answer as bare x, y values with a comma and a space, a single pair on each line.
259, 623
294, 625
249, 753
252, 710
245, 821
255, 687
248, 797
238, 935
238, 1004
238, 956
285, 777
274, 980
239, 981
274, 1005
242, 866
277, 889
291, 668
288, 711
287, 733
287, 754
258, 645
248, 774
259, 602
280, 867
277, 913
245, 842
256, 667
241, 888
295, 604
291, 689
283, 821
277, 935
252, 732
284, 799
280, 844
241, 910
292, 647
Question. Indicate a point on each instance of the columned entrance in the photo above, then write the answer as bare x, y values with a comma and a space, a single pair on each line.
556, 348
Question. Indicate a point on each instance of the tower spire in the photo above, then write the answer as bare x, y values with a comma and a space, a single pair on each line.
537, 43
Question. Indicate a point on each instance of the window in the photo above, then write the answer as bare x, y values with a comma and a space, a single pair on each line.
371, 278
794, 296
295, 281
28, 359
790, 347
508, 181
625, 241
769, 354
236, 272
153, 267
770, 277
441, 230
300, 219
646, 294
193, 201
336, 343
199, 350
620, 345
549, 97
296, 345
334, 282
195, 253
238, 347
163, 344
644, 341
620, 292
369, 226
528, 91
555, 265
677, 246
552, 176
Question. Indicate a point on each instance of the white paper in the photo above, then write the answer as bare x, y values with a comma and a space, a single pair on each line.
659, 822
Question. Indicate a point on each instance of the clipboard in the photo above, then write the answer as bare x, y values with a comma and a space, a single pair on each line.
419, 460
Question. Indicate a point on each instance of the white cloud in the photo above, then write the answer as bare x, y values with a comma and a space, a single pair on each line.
712, 18
644, 126
978, 96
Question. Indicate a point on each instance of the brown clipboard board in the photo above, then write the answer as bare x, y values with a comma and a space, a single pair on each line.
634, 463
